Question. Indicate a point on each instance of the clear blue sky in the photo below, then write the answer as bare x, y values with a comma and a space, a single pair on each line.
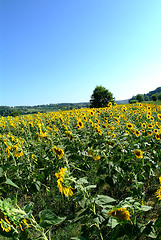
58, 51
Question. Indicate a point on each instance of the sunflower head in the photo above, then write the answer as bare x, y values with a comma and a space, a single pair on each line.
79, 124
138, 153
129, 125
120, 213
158, 192
58, 151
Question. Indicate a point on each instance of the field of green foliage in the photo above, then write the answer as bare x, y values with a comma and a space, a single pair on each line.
87, 174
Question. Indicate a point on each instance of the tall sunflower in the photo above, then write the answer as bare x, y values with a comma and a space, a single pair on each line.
63, 182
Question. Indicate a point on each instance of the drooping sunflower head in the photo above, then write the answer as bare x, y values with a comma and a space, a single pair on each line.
69, 135
91, 153
58, 151
63, 182
120, 213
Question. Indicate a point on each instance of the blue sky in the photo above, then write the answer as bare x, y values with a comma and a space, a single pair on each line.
58, 51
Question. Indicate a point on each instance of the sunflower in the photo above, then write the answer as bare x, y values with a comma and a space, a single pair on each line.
148, 116
66, 128
79, 124
92, 113
110, 105
120, 213
85, 118
6, 225
91, 153
158, 136
69, 134
117, 120
91, 122
152, 118
158, 192
63, 183
138, 153
129, 125
4, 222
158, 124
159, 116
113, 135
137, 133
97, 129
144, 125
58, 151
150, 133
148, 108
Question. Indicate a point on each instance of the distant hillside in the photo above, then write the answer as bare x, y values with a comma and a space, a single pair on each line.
157, 91
22, 110
147, 96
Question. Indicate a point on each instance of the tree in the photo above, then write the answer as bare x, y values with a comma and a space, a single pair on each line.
159, 97
101, 97
154, 97
133, 99
146, 97
140, 98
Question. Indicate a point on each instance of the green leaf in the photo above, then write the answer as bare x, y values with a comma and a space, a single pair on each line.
82, 180
99, 219
37, 185
9, 182
28, 207
84, 203
102, 199
1, 172
158, 222
48, 218
90, 186
114, 223
145, 208
152, 234
149, 230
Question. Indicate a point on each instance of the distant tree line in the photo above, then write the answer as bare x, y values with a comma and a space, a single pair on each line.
23, 110
151, 96
9, 111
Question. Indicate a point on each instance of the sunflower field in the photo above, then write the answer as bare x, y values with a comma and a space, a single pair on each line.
92, 173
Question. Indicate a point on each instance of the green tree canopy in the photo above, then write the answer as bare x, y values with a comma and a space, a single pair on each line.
139, 97
101, 97
159, 97
154, 97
